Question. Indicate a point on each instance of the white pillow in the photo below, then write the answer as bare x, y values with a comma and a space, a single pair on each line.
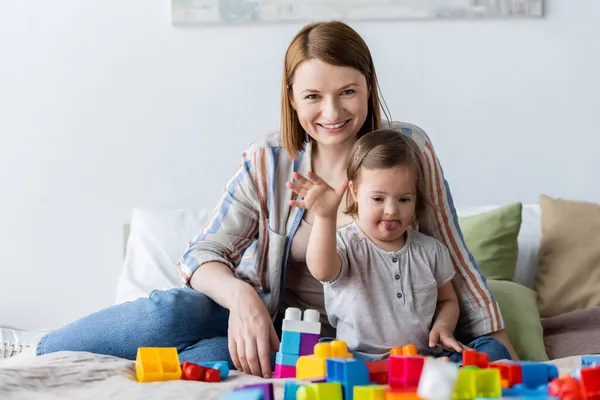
528, 240
157, 241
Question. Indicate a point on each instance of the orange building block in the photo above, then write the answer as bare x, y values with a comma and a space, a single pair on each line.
472, 357
409, 350
395, 394
313, 366
157, 364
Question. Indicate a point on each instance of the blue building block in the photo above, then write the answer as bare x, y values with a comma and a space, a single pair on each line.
536, 374
290, 389
222, 366
247, 394
290, 343
286, 359
590, 361
349, 372
521, 390
534, 397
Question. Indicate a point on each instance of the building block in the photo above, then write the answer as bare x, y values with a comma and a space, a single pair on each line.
438, 379
405, 372
472, 357
477, 383
157, 364
590, 381
195, 372
320, 391
409, 350
401, 394
246, 394
567, 388
314, 366
536, 374
290, 388
510, 374
284, 371
590, 361
378, 371
290, 342
369, 392
294, 323
265, 388
349, 372
307, 343
523, 391
289, 360
222, 366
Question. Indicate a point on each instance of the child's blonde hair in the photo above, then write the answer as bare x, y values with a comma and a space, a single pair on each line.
383, 149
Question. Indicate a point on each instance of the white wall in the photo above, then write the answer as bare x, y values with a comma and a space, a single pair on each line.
105, 106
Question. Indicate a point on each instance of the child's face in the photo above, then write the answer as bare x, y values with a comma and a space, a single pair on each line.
386, 200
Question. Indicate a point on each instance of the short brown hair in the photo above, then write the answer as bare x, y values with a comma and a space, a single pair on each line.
383, 149
337, 44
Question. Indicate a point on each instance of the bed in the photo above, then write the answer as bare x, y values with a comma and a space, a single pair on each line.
76, 375
154, 244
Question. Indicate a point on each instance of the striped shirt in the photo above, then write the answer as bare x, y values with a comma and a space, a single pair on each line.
252, 228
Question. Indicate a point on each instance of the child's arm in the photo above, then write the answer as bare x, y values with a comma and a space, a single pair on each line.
447, 310
322, 258
445, 319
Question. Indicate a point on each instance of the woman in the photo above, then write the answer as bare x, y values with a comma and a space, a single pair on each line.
249, 262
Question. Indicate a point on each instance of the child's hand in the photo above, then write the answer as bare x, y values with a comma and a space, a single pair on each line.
319, 197
441, 336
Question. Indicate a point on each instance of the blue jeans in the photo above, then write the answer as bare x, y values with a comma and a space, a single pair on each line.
183, 318
483, 344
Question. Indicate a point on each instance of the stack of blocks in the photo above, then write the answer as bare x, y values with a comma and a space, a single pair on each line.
298, 338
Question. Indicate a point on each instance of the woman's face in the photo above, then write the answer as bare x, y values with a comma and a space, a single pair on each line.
331, 101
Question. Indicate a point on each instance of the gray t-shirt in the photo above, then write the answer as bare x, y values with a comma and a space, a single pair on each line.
386, 299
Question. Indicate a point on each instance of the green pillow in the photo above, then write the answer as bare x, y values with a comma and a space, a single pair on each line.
492, 239
522, 318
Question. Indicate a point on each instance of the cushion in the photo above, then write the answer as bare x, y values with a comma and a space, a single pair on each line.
523, 325
573, 333
492, 239
156, 242
568, 276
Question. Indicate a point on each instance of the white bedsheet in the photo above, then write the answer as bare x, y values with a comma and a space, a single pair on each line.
79, 375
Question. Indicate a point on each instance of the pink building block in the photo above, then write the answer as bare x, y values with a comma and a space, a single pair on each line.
307, 343
284, 371
405, 372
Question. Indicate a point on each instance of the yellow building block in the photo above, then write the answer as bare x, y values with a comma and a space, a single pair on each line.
320, 391
391, 394
474, 383
157, 364
369, 392
313, 366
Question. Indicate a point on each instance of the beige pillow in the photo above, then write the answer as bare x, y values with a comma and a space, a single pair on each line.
568, 277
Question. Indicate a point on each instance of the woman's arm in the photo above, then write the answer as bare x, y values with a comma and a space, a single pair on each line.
479, 313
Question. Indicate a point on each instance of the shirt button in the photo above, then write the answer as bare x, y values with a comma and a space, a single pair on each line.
399, 295
394, 259
397, 277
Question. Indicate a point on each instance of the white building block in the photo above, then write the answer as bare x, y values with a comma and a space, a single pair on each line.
437, 380
294, 323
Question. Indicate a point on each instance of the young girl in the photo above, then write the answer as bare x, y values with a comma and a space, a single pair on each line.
385, 284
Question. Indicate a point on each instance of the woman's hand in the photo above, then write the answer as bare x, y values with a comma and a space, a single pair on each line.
251, 335
319, 197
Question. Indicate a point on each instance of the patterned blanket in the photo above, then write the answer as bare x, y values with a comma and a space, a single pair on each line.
78, 375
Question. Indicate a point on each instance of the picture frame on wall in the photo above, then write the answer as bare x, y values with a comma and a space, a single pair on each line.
202, 12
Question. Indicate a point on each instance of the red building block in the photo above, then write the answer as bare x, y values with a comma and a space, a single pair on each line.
509, 373
405, 372
378, 371
567, 388
195, 372
590, 380
472, 357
